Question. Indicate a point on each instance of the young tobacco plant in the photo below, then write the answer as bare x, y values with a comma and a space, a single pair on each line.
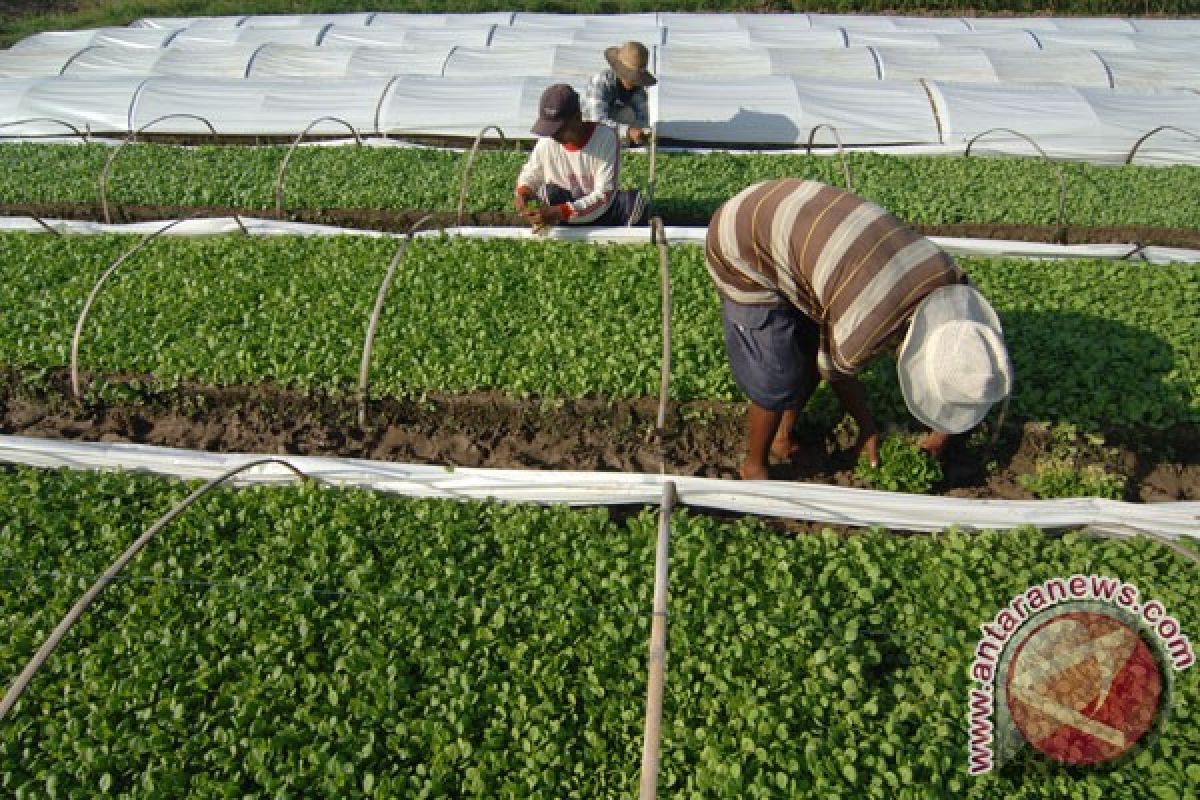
362, 644
903, 467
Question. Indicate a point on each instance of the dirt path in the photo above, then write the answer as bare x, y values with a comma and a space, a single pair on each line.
493, 430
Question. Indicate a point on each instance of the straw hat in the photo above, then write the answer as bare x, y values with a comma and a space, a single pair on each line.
953, 365
629, 62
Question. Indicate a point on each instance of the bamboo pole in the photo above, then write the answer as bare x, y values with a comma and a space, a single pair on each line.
656, 664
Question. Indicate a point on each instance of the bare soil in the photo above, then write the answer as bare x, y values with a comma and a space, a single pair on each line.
495, 430
400, 220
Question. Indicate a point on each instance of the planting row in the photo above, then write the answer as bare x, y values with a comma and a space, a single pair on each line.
1093, 343
922, 190
303, 640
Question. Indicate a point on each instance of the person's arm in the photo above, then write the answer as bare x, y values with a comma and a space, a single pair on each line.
606, 158
531, 178
853, 397
640, 104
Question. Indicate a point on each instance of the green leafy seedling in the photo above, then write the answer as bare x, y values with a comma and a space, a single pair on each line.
903, 467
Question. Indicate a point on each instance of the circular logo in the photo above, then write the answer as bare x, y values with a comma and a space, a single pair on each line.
1083, 688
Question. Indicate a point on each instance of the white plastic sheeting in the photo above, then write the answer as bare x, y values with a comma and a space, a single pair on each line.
340, 36
832, 505
676, 235
785, 110
1073, 67
348, 59
460, 107
36, 62
97, 105
1152, 70
738, 45
260, 107
1100, 125
684, 61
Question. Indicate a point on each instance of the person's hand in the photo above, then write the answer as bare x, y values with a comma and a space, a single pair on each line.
540, 216
520, 203
636, 135
934, 443
867, 446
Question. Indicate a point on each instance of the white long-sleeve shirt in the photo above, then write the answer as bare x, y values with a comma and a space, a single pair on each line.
590, 173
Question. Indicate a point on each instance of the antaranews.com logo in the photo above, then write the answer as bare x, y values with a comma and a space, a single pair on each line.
1076, 668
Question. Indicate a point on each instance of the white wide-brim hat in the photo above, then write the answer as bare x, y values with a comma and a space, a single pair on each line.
953, 365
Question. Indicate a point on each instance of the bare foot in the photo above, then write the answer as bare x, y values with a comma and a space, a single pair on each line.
752, 472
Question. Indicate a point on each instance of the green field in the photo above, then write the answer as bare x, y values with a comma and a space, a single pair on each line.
919, 189
301, 642
551, 319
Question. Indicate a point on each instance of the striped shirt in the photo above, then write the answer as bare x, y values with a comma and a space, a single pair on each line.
848, 264
590, 173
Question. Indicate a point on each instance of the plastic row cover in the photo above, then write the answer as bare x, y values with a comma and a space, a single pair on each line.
675, 234
974, 65
693, 21
1095, 124
499, 36
831, 504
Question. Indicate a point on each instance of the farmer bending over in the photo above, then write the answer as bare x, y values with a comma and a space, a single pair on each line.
618, 94
814, 282
571, 175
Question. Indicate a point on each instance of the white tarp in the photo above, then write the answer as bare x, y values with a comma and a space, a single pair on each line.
223, 37
415, 20
1100, 125
56, 40
385, 62
101, 105
778, 110
217, 62
676, 235
188, 22
1072, 67
34, 62
1000, 40
958, 64
854, 63
461, 106
473, 36
304, 20
340, 58
296, 61
1124, 116
833, 505
1152, 70
260, 107
788, 37
1189, 28
1069, 122
471, 62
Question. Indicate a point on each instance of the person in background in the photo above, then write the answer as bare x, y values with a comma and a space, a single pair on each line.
571, 175
618, 95
814, 282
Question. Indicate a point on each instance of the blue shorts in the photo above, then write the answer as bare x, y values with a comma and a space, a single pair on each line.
772, 351
628, 207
